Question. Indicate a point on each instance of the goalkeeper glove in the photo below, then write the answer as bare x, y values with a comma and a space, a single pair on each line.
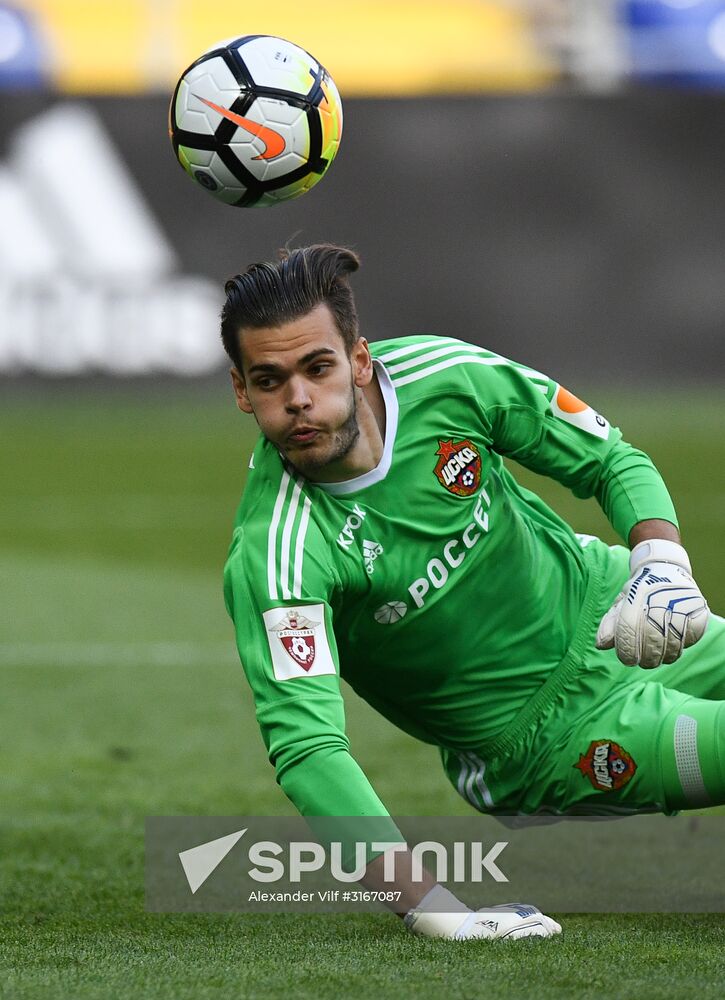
659, 612
440, 914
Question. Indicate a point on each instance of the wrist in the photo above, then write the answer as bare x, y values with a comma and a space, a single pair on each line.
439, 914
658, 550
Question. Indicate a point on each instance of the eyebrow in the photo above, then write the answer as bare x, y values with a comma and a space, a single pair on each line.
319, 352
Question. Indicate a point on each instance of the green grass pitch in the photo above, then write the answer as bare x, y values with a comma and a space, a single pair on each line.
122, 698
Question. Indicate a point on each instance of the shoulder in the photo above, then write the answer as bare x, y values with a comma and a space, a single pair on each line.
276, 535
436, 364
273, 495
266, 476
396, 348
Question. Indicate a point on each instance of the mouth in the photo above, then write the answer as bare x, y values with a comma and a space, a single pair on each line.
303, 435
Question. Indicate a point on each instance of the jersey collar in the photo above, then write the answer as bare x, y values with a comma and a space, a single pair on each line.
380, 471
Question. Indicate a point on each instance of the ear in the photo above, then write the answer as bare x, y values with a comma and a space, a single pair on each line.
240, 391
362, 363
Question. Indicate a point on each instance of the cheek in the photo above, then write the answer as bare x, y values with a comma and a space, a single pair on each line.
339, 395
274, 415
266, 413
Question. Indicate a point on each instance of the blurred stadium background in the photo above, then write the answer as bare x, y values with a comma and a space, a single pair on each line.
544, 178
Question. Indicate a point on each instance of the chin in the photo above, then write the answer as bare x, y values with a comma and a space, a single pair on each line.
307, 463
306, 459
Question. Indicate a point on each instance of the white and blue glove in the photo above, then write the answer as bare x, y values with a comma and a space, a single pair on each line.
440, 914
660, 611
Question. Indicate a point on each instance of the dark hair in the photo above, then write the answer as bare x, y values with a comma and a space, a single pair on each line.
270, 294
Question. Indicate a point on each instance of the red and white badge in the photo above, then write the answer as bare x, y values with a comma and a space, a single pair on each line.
458, 467
607, 765
298, 642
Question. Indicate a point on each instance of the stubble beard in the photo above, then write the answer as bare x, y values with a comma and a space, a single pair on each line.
343, 441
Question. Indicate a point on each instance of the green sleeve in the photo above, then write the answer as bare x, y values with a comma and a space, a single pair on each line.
535, 421
301, 715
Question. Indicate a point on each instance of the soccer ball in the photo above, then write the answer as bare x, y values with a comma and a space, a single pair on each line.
255, 120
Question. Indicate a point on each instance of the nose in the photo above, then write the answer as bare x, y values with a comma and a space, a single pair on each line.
298, 396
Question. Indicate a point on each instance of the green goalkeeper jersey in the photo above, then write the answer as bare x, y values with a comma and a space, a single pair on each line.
440, 589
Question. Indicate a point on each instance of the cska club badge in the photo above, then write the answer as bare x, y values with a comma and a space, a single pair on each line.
607, 765
297, 635
458, 467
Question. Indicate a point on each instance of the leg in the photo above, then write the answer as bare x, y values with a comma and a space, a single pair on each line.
644, 748
692, 754
612, 745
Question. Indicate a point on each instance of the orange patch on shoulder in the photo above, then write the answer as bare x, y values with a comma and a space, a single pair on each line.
568, 402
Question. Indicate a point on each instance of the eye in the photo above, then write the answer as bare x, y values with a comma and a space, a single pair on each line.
266, 382
320, 368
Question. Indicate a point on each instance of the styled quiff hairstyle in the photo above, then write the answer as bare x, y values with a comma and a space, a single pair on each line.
270, 294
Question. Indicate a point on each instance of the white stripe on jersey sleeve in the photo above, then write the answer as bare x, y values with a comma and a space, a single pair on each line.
300, 549
401, 352
460, 359
432, 355
286, 539
272, 537
532, 374
470, 359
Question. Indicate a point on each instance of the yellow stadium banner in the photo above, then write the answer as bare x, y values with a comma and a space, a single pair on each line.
375, 48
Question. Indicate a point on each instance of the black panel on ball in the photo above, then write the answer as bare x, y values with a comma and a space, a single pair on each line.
235, 166
194, 140
225, 129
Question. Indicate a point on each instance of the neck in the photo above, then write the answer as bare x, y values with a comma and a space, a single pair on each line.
374, 397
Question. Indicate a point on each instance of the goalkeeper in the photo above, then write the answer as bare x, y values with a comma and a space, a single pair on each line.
381, 539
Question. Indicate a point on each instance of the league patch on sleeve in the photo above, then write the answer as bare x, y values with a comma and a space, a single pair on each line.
566, 406
298, 642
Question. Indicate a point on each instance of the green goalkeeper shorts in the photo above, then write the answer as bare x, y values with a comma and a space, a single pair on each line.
602, 738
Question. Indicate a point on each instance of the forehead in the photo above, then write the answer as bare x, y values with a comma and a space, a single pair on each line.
285, 344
